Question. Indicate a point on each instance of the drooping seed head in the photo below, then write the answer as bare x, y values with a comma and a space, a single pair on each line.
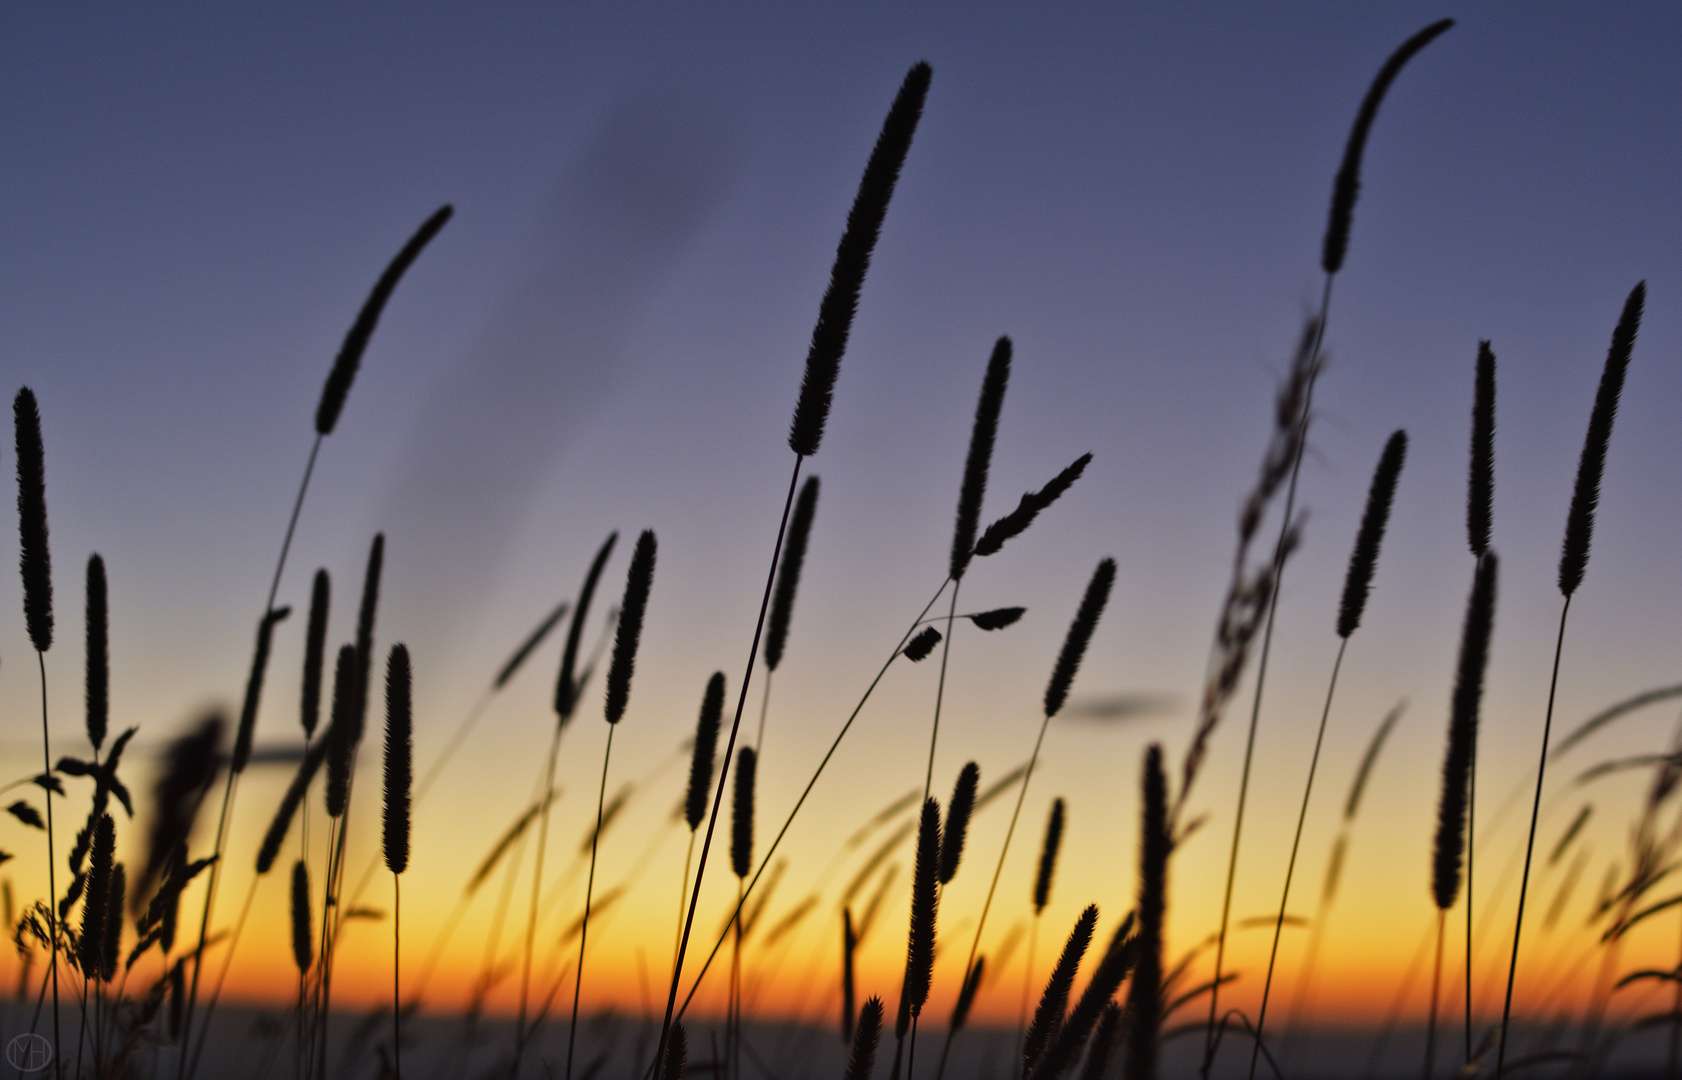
315, 653
98, 655
741, 814
638, 580
1348, 183
997, 619
982, 436
566, 684
1480, 485
788, 572
706, 746
920, 646
399, 754
1018, 520
1579, 524
852, 259
1463, 735
1363, 561
957, 821
34, 560
337, 388
1080, 633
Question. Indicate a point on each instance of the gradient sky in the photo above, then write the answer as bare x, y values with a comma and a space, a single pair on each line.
609, 335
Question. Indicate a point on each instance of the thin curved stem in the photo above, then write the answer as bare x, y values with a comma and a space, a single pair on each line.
396, 960
1530, 844
589, 890
1261, 676
1436, 985
1291, 864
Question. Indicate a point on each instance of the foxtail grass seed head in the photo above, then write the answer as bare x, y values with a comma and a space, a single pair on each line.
677, 1053
1101, 1052
34, 561
1363, 561
849, 945
365, 636
90, 952
1579, 524
114, 923
788, 572
966, 995
852, 259
638, 580
1080, 633
996, 619
1463, 735
1048, 1015
920, 646
303, 952
957, 821
289, 803
1480, 485
254, 687
1348, 183
1048, 856
341, 746
188, 771
1018, 520
706, 747
533, 640
399, 754
861, 1063
98, 654
333, 394
566, 685
982, 437
1072, 1034
919, 949
315, 653
741, 814
1144, 999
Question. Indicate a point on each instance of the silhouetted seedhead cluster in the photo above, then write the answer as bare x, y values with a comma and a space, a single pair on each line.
1364, 560
982, 436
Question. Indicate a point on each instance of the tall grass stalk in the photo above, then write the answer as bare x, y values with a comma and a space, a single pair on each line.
1573, 562
1357, 584
1144, 998
811, 410
1480, 514
1335, 247
399, 770
35, 567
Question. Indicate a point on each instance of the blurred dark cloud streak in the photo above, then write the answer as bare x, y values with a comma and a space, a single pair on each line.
629, 207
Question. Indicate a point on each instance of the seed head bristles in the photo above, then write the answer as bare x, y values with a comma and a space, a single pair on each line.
920, 646
289, 803
1579, 524
339, 739
1480, 485
1071, 1036
1348, 183
90, 953
852, 259
706, 747
254, 687
966, 995
114, 923
34, 560
861, 1063
677, 1054
1144, 998
399, 754
1370, 758
1048, 856
1102, 1050
980, 457
1463, 734
1018, 520
190, 766
531, 643
638, 580
919, 947
98, 656
1048, 1015
365, 636
996, 619
315, 652
1363, 561
1080, 632
356, 340
957, 821
302, 942
788, 573
741, 814
849, 945
566, 686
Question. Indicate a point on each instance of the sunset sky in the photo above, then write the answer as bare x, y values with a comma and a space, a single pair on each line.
610, 333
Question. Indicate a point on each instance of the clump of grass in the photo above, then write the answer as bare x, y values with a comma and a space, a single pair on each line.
1573, 562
